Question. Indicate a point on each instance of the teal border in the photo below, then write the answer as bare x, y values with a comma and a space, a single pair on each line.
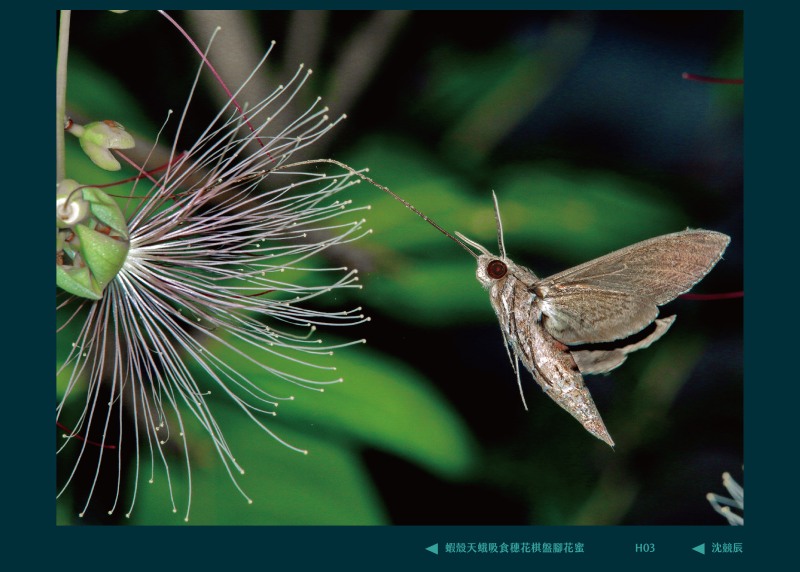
770, 390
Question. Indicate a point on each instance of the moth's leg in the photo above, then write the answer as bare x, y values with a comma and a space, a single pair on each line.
519, 382
512, 357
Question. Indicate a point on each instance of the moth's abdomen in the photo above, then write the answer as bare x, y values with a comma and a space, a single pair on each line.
549, 361
556, 371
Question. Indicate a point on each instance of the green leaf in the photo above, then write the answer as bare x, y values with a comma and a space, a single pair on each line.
326, 487
382, 403
550, 211
97, 96
577, 215
411, 173
433, 292
387, 405
414, 272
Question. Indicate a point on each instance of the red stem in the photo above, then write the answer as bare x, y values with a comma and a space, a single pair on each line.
214, 72
707, 79
142, 173
720, 296
76, 436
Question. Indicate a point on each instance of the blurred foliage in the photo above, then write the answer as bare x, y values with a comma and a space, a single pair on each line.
377, 403
550, 208
427, 427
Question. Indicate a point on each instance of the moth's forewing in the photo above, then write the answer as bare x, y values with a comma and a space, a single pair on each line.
617, 295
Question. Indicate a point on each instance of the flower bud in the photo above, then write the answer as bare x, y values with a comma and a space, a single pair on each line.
98, 138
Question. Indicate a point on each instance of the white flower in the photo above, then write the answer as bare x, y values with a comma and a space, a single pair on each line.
223, 251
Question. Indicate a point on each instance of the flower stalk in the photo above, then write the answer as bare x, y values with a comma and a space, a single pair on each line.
61, 90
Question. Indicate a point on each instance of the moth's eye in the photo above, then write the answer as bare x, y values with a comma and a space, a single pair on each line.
496, 269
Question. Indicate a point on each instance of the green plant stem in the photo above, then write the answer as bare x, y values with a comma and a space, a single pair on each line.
61, 91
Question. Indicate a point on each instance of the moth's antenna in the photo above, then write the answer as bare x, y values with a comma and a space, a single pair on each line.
408, 205
500, 244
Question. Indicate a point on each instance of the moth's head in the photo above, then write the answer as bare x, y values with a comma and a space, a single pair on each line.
491, 267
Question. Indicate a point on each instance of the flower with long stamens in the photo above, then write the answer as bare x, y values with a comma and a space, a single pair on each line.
224, 251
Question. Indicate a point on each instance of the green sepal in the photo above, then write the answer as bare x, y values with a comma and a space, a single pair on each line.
78, 281
106, 210
103, 254
88, 261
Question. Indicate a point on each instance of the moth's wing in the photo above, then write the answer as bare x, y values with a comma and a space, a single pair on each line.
603, 361
618, 294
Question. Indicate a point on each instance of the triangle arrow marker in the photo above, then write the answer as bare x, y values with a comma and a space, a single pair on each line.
433, 548
701, 548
